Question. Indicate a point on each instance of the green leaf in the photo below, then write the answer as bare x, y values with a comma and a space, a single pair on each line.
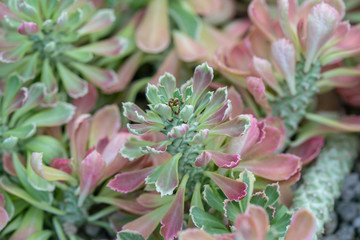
47, 77
36, 95
132, 148
129, 235
80, 56
9, 143
152, 94
12, 87
55, 116
11, 227
58, 229
42, 235
152, 178
196, 197
282, 220
203, 101
9, 205
36, 181
32, 219
248, 178
28, 69
232, 210
206, 221
49, 146
73, 84
184, 17
19, 206
273, 193
259, 199
168, 179
15, 190
21, 132
214, 198
41, 196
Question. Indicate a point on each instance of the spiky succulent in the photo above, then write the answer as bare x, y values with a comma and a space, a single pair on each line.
54, 42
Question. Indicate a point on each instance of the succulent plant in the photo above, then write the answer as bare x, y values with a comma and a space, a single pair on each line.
284, 63
23, 110
197, 144
62, 188
322, 181
54, 42
256, 216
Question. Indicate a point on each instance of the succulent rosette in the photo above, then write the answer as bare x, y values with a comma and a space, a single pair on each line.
285, 61
57, 43
23, 110
168, 34
198, 143
257, 216
62, 187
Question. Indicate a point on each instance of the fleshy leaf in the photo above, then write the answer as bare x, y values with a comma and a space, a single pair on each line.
127, 205
267, 146
87, 102
233, 189
283, 52
91, 172
303, 226
215, 198
102, 19
277, 167
224, 160
172, 221
146, 224
28, 28
109, 114
206, 221
110, 47
193, 233
55, 116
202, 78
263, 68
4, 218
178, 131
253, 135
153, 200
48, 173
233, 128
152, 34
253, 224
257, 88
129, 235
129, 181
50, 146
168, 179
102, 78
15, 190
74, 85
322, 20
236, 101
187, 48
308, 150
260, 16
125, 73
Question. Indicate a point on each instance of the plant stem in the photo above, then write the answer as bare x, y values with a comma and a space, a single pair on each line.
102, 213
323, 179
